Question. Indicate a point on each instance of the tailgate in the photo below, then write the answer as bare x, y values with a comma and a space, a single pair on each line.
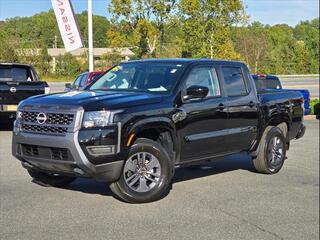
12, 92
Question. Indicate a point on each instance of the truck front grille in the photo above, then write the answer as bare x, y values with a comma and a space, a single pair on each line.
50, 122
44, 129
60, 154
52, 118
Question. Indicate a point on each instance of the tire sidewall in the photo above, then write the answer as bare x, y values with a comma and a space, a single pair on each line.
146, 145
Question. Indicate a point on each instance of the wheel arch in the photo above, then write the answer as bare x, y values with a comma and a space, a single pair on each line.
158, 129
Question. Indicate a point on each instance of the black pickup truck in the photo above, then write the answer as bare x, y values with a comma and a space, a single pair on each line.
140, 120
17, 82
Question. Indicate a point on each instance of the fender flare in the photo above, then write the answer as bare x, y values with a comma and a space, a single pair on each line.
156, 123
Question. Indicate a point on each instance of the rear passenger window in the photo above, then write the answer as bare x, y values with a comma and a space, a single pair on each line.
234, 81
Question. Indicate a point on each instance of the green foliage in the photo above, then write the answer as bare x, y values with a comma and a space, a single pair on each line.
110, 60
162, 28
68, 65
279, 49
206, 27
315, 107
7, 53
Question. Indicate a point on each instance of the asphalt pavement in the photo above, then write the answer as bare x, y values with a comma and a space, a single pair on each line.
222, 200
310, 83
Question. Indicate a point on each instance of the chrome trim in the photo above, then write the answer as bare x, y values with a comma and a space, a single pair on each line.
224, 132
119, 137
89, 149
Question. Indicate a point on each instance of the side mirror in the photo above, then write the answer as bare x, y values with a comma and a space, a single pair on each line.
196, 91
68, 86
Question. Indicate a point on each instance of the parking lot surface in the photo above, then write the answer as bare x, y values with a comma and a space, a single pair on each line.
222, 200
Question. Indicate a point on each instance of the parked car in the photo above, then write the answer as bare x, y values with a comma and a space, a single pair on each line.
83, 80
17, 82
273, 82
140, 120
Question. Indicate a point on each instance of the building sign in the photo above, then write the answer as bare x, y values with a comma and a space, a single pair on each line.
68, 27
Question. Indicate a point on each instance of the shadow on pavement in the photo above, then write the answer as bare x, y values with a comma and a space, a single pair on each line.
227, 164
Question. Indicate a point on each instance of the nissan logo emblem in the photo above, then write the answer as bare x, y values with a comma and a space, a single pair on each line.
41, 118
13, 89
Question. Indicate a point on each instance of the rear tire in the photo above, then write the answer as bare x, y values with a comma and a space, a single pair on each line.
146, 175
272, 151
47, 179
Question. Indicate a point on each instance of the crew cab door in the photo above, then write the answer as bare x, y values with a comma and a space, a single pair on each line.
242, 105
201, 132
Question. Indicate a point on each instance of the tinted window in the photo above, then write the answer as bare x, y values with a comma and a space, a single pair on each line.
76, 82
267, 84
15, 74
140, 76
233, 78
83, 80
206, 77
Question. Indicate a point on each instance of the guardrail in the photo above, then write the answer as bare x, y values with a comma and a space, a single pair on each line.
298, 75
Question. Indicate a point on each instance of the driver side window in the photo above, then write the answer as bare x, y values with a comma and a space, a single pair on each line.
206, 77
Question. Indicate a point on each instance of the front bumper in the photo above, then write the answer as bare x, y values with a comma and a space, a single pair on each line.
76, 165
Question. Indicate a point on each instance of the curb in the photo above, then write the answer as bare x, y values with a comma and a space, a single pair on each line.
309, 117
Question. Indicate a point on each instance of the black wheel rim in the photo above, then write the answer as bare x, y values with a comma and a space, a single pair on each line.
275, 153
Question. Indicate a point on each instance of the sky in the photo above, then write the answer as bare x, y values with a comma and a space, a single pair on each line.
270, 12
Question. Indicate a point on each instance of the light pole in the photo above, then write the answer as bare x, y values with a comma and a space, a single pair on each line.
90, 36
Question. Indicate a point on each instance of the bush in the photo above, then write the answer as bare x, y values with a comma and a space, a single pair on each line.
67, 65
315, 107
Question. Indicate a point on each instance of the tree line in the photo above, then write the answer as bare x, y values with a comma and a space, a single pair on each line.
173, 28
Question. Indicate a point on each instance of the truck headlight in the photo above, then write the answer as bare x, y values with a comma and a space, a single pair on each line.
97, 119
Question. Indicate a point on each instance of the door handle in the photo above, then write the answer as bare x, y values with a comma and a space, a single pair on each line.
251, 104
221, 107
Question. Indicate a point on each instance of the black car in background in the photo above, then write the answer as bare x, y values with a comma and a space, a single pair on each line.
17, 82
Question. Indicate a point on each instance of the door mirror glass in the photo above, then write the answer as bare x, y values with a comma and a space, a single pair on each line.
196, 91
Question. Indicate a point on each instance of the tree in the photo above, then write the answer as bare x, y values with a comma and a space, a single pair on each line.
7, 53
252, 43
143, 21
206, 27
68, 65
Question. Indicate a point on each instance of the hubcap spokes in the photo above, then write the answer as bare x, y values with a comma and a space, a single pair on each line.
142, 172
275, 151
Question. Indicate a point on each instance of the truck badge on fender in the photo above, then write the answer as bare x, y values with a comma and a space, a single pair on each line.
179, 116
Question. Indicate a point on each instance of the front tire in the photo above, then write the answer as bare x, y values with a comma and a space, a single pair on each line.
272, 151
48, 179
147, 173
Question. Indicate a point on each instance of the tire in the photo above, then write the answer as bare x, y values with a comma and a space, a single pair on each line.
272, 151
48, 179
146, 175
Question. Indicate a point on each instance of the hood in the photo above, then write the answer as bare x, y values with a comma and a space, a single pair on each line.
96, 100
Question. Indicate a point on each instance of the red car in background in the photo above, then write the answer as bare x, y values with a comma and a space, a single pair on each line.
83, 80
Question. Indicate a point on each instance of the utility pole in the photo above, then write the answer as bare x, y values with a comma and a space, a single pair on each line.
90, 36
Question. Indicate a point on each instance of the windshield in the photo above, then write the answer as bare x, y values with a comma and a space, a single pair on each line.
267, 84
151, 76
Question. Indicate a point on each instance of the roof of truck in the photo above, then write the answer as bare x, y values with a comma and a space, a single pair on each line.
186, 60
15, 64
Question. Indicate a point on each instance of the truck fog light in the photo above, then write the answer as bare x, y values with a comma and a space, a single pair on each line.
100, 150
